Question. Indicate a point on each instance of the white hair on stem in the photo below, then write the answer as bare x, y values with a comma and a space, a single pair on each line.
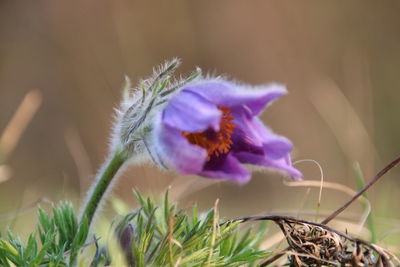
107, 192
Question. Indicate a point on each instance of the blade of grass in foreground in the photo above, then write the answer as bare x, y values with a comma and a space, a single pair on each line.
360, 184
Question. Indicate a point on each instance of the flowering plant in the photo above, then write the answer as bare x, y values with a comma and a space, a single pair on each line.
204, 126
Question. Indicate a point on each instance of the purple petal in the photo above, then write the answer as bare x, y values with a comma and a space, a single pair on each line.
227, 167
283, 164
278, 148
253, 133
190, 112
177, 152
242, 143
254, 143
275, 146
228, 94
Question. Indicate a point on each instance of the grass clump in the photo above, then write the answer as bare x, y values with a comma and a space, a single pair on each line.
54, 243
155, 234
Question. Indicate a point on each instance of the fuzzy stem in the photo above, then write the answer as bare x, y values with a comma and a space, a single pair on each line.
102, 183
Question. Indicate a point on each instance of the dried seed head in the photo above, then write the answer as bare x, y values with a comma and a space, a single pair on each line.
316, 245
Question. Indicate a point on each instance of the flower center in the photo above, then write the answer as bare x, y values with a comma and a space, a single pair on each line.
216, 143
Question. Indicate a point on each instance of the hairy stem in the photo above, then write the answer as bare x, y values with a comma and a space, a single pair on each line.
102, 183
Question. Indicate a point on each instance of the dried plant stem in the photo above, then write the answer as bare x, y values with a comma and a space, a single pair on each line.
18, 123
281, 221
334, 214
101, 184
362, 191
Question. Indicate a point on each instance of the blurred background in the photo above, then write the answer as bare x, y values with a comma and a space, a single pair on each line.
62, 65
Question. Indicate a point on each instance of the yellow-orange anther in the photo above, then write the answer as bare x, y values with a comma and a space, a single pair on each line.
216, 143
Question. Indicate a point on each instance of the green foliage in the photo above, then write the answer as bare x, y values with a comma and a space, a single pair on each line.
166, 236
360, 184
50, 245
152, 235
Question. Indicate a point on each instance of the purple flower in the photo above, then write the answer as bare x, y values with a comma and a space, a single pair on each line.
211, 128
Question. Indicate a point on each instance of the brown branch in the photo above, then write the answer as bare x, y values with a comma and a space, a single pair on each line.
362, 191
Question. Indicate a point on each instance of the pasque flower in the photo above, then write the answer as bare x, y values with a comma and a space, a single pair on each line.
204, 126
211, 128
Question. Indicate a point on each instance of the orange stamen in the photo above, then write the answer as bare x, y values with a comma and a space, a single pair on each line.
216, 143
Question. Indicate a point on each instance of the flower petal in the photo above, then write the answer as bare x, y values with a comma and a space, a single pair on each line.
251, 132
227, 94
278, 148
275, 146
282, 164
227, 167
190, 112
176, 152
254, 143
